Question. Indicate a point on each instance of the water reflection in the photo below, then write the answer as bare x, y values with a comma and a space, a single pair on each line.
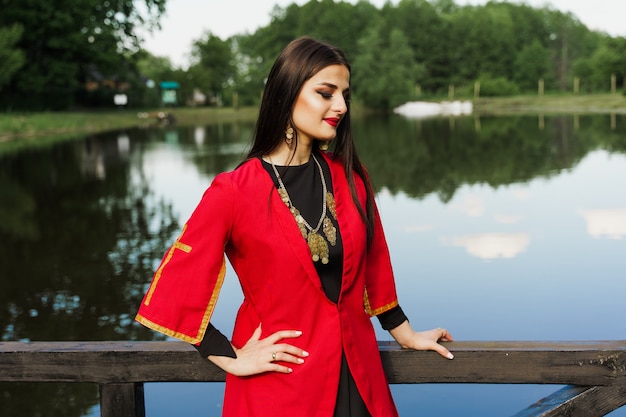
491, 245
607, 223
514, 217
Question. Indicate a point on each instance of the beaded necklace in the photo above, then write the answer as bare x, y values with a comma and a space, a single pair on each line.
317, 244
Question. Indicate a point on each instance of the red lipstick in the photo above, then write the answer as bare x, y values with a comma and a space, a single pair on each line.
333, 121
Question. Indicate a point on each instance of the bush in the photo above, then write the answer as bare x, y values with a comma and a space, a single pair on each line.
497, 87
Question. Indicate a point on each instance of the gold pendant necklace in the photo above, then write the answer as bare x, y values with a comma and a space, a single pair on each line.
317, 244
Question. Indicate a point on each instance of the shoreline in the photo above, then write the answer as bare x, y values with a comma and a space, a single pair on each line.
32, 126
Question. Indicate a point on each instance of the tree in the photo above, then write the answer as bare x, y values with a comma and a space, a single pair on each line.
213, 66
384, 69
607, 61
11, 59
426, 33
569, 40
531, 64
70, 42
483, 40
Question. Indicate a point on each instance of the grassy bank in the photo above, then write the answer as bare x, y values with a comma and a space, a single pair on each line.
552, 104
23, 130
28, 125
33, 126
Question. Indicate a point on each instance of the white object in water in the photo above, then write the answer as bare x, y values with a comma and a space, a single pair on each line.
421, 109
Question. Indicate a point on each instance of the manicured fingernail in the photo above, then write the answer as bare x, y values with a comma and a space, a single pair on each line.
450, 356
289, 370
300, 360
305, 353
298, 333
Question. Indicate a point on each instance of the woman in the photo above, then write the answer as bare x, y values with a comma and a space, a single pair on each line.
301, 230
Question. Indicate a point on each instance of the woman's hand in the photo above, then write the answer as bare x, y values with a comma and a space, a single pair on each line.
426, 340
259, 355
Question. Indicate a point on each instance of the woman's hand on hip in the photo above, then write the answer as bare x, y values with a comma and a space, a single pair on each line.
260, 355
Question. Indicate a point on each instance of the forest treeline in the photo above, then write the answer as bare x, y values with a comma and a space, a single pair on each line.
80, 53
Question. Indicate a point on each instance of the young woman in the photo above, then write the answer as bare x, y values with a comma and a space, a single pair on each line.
300, 228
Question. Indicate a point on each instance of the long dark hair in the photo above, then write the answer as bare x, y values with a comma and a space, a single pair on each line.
299, 61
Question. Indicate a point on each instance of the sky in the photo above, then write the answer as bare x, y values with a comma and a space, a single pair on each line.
187, 20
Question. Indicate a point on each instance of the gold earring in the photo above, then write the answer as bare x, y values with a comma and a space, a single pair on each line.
289, 135
323, 145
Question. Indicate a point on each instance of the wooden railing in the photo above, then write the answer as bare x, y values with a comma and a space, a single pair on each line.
594, 373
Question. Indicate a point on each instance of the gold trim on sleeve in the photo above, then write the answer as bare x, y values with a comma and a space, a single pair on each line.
205, 319
379, 310
157, 276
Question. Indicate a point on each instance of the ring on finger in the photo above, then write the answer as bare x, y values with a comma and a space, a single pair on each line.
273, 356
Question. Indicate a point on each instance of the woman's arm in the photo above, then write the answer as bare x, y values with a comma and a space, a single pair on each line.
259, 355
426, 340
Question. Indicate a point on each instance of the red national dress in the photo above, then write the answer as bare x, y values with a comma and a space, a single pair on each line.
241, 215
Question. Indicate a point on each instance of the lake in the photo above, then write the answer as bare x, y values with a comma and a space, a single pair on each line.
500, 228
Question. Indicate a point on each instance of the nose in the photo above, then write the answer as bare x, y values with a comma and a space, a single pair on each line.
340, 106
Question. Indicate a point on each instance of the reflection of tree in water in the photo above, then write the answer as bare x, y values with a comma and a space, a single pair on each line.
421, 157
81, 269
49, 400
224, 145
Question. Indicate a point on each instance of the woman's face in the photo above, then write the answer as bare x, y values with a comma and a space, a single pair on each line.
321, 104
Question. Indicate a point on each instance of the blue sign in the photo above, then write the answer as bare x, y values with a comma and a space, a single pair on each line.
169, 85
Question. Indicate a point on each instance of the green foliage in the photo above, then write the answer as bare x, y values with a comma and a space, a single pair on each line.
384, 69
11, 59
532, 63
427, 43
69, 43
607, 61
497, 87
427, 35
213, 66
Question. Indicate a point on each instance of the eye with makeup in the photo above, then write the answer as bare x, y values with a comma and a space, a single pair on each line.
328, 95
325, 94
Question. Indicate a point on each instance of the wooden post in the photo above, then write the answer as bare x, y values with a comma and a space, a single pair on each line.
576, 85
540, 87
477, 89
418, 90
235, 100
451, 91
477, 125
613, 83
122, 400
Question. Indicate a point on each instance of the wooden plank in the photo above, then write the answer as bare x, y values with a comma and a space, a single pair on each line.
563, 363
578, 401
552, 401
105, 362
122, 400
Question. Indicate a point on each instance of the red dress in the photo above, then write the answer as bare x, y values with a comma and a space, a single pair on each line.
242, 215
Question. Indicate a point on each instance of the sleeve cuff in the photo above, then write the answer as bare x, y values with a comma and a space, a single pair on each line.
215, 343
391, 319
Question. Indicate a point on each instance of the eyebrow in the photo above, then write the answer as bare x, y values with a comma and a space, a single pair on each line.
333, 86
